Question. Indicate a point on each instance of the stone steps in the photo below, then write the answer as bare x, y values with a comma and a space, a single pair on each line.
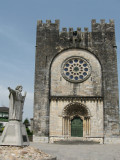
75, 141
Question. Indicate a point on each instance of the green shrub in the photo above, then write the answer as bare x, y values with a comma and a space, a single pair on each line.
1, 129
29, 132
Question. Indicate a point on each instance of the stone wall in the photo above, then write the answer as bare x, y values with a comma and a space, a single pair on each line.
95, 108
90, 87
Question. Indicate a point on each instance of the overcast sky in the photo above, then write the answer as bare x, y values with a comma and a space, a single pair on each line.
18, 19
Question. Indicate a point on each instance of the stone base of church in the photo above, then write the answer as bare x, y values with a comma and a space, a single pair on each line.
40, 139
112, 140
60, 138
14, 134
53, 139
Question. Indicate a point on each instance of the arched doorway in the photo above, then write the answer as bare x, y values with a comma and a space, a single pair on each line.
76, 120
76, 127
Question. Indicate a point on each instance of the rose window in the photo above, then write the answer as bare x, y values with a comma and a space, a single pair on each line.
76, 69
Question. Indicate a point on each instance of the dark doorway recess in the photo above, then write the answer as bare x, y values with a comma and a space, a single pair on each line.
77, 127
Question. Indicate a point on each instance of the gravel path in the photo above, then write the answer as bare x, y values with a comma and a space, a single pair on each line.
22, 153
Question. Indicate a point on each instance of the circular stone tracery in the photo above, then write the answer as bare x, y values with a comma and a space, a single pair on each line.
76, 69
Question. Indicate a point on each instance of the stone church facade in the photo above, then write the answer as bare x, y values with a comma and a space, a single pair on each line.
76, 83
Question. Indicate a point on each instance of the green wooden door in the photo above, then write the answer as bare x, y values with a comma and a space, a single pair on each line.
77, 127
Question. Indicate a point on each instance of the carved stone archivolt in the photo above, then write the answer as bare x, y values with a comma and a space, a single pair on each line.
72, 111
76, 109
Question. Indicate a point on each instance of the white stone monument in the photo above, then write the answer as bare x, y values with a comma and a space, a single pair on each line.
15, 133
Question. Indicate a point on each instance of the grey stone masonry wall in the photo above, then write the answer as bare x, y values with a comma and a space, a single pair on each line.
101, 43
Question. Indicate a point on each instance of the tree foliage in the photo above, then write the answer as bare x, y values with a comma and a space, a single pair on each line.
26, 122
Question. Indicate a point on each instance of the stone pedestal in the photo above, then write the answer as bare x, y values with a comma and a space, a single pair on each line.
40, 139
14, 134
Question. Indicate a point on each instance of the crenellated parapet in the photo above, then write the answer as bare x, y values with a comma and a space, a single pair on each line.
70, 33
100, 32
96, 27
48, 24
102, 26
76, 36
